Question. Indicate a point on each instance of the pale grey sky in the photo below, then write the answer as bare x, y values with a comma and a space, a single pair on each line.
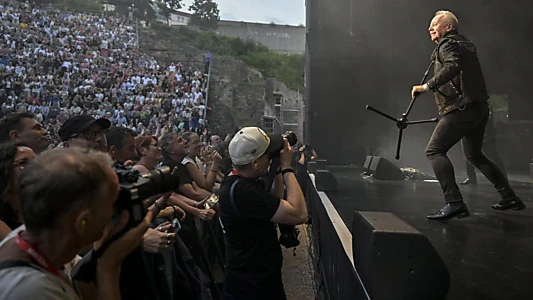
290, 12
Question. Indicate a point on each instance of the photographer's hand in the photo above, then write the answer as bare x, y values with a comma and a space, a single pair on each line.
286, 155
108, 267
158, 240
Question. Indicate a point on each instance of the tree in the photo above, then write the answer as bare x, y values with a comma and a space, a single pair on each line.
166, 7
205, 14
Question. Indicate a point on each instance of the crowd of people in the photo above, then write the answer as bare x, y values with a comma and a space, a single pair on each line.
79, 104
58, 64
71, 81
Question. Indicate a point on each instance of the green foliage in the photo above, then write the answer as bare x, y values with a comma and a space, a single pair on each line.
288, 69
205, 14
166, 7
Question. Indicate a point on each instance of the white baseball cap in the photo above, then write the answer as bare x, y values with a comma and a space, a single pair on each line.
250, 143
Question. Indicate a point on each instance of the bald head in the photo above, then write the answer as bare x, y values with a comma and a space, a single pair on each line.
62, 181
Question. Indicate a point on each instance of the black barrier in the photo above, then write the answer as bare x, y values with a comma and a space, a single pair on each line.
339, 279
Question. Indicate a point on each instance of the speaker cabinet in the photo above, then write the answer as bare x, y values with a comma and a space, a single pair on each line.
383, 169
321, 164
325, 181
395, 261
312, 167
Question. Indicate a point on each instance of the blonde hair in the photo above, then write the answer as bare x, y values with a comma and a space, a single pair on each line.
449, 17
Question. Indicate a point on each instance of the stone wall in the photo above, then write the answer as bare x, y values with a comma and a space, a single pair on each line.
280, 38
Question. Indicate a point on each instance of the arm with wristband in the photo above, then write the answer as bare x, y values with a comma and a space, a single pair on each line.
293, 210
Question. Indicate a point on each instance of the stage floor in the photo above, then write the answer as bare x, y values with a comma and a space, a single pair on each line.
489, 255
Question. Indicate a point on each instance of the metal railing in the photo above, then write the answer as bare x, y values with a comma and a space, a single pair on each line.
207, 91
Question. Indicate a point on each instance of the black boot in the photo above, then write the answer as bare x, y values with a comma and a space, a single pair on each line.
449, 211
469, 181
514, 204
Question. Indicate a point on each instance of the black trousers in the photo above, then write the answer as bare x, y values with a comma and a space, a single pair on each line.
467, 125
491, 151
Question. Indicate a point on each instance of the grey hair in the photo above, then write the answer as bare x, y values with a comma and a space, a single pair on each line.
449, 17
59, 182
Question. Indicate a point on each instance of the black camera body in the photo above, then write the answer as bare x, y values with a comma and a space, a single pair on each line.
288, 233
136, 187
288, 236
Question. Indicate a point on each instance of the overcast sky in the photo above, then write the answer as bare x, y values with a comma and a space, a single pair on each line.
290, 12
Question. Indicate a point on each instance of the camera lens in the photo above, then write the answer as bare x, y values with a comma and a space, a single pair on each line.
158, 181
291, 137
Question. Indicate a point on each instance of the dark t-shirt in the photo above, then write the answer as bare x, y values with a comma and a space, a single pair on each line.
254, 257
181, 170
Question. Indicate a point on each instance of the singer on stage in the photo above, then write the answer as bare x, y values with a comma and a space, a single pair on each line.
461, 96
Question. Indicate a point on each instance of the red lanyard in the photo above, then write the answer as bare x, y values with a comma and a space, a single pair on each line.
233, 172
36, 255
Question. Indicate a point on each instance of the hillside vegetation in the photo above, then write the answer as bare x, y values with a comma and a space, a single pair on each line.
288, 69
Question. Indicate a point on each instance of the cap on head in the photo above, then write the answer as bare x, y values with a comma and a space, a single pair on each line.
79, 124
250, 143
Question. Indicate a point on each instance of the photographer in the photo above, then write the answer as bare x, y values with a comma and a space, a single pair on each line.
249, 215
307, 154
66, 205
301, 158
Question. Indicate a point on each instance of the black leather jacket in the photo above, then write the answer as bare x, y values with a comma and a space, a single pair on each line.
458, 78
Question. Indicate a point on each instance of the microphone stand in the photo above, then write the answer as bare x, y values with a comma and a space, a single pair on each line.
403, 121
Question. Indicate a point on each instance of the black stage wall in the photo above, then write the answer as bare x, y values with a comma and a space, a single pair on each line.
371, 52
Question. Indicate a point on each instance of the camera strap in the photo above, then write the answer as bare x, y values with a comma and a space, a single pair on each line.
232, 197
232, 200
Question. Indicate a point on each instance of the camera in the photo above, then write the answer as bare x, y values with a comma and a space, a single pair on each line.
288, 237
289, 233
136, 187
291, 137
308, 150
